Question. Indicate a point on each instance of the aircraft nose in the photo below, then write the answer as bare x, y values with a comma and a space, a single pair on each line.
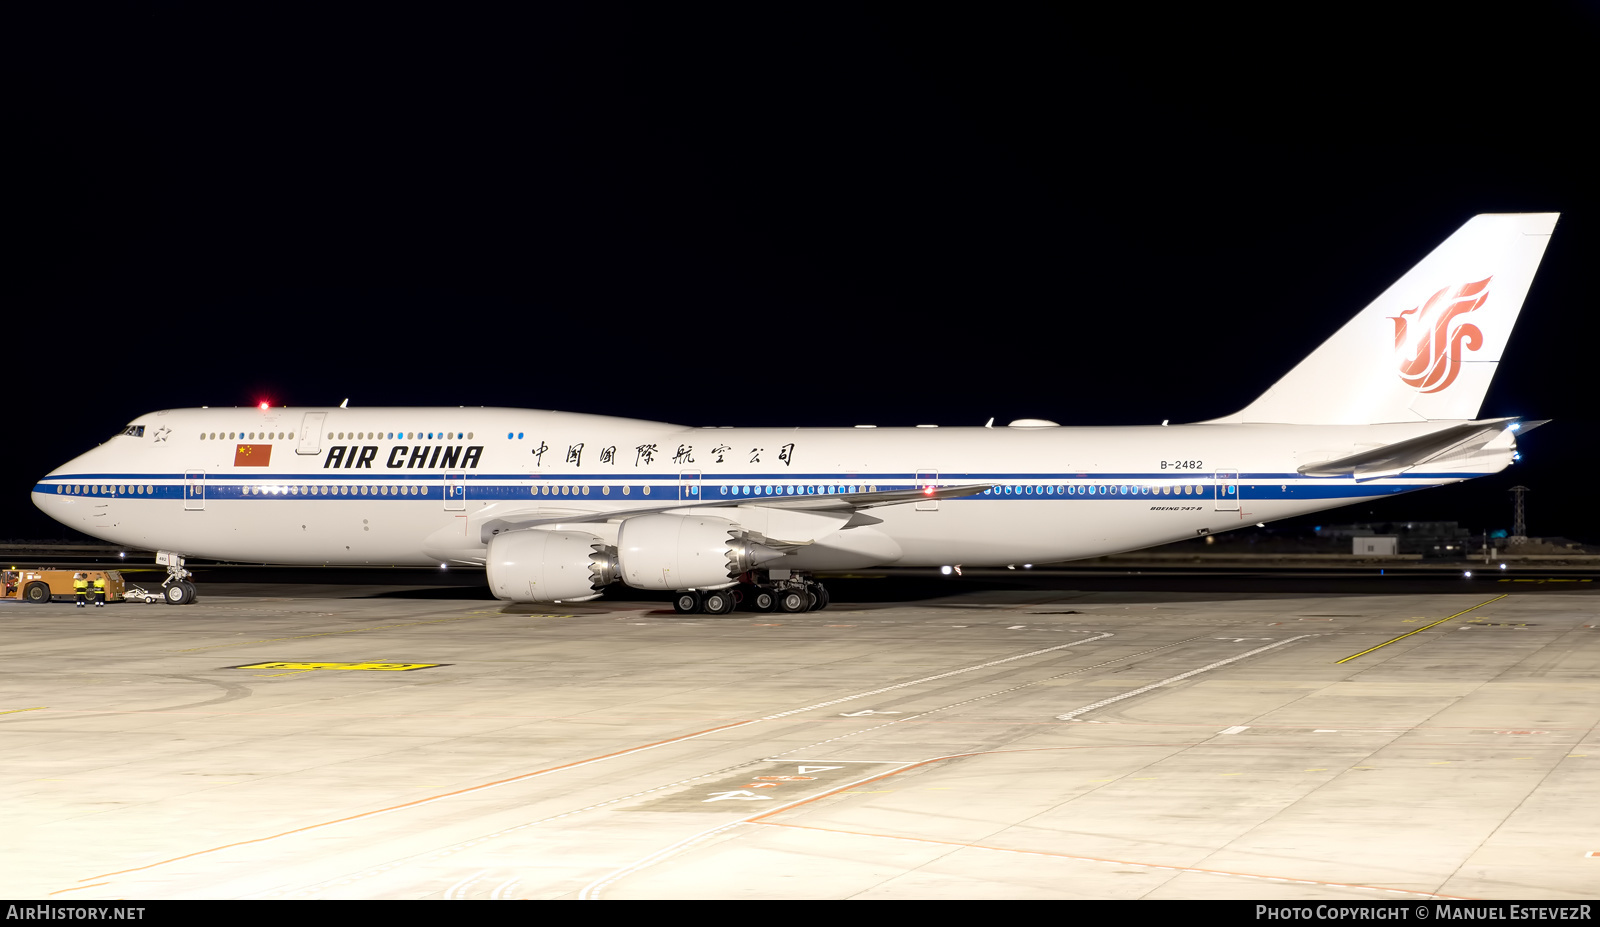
49, 496
54, 493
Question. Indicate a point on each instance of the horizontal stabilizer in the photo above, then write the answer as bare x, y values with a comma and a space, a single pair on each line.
1454, 443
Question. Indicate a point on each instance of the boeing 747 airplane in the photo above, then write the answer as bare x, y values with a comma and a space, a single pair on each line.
557, 506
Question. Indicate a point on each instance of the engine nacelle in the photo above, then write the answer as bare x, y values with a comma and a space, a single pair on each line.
685, 552
542, 566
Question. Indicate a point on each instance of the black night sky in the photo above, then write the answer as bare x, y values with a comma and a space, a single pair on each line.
754, 215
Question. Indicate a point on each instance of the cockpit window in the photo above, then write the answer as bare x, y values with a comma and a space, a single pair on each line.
133, 431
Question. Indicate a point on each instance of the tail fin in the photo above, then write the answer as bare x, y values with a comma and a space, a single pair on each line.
1427, 347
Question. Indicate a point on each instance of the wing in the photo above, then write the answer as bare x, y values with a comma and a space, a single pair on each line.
841, 505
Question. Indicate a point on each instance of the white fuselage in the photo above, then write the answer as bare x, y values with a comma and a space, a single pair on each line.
411, 486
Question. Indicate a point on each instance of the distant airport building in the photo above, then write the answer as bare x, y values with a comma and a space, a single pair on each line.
1445, 539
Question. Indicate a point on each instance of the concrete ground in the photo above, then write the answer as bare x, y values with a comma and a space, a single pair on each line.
281, 741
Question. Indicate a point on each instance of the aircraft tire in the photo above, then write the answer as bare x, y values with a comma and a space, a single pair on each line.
718, 602
822, 597
763, 600
178, 593
793, 601
686, 603
194, 593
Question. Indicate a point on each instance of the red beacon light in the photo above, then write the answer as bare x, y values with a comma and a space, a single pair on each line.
263, 405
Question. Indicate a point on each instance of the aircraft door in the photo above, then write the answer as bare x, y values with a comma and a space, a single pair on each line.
689, 486
1227, 490
194, 490
455, 492
927, 480
311, 434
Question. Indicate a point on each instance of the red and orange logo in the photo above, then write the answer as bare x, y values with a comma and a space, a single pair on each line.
1429, 339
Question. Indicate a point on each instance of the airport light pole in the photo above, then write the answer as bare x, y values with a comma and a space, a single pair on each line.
1519, 521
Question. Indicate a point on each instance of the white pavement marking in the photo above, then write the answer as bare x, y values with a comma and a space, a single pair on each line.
1181, 676
591, 892
1236, 729
969, 669
433, 855
461, 887
503, 890
1078, 671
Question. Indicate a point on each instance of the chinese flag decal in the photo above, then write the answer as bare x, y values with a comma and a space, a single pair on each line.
252, 455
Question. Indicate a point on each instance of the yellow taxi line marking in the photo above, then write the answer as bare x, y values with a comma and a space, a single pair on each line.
1419, 630
79, 888
16, 710
309, 666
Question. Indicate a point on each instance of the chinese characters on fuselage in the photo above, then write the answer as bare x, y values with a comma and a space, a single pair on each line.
430, 457
646, 454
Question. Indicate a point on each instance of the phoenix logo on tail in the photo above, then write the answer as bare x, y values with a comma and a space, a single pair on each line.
1430, 353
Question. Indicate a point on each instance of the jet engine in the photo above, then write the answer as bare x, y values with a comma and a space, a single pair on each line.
545, 566
685, 552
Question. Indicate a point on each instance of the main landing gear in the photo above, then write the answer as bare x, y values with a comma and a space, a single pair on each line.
178, 589
758, 594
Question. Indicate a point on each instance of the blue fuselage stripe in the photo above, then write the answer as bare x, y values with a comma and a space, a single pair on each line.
734, 487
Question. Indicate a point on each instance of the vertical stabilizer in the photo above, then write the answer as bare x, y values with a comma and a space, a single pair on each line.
1427, 347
